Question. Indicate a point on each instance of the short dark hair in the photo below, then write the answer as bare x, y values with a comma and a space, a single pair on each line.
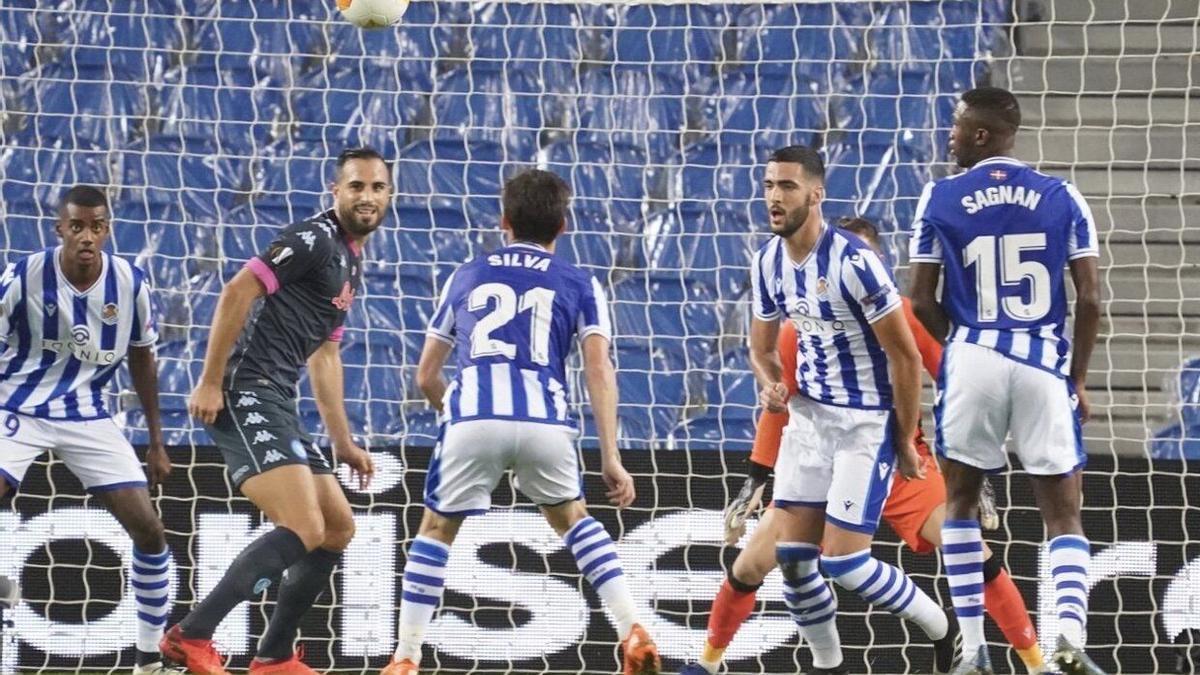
364, 152
535, 203
84, 195
861, 227
997, 107
803, 155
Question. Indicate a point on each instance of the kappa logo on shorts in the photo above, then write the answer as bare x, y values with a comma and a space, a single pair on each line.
247, 400
273, 456
240, 472
263, 436
298, 449
255, 418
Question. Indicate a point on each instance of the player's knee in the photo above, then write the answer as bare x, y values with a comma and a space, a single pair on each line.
752, 569
311, 530
338, 534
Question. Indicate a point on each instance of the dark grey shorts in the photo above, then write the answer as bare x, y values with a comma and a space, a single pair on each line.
258, 430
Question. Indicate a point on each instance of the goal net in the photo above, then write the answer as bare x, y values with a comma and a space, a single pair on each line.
213, 123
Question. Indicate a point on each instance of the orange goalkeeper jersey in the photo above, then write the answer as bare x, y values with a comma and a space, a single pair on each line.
769, 432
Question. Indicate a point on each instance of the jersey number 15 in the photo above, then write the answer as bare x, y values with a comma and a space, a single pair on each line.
540, 302
981, 253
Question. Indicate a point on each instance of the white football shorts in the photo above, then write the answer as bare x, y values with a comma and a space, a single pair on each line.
94, 450
837, 459
984, 397
472, 456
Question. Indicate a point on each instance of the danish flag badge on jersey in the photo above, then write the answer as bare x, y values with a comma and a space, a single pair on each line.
998, 174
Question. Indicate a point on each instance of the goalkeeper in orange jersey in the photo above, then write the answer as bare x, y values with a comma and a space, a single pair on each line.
915, 509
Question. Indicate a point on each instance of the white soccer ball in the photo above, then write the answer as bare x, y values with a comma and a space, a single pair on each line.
372, 13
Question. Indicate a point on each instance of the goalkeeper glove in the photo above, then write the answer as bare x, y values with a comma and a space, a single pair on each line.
746, 503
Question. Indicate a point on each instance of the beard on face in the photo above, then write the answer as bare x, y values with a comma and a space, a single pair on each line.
793, 220
357, 224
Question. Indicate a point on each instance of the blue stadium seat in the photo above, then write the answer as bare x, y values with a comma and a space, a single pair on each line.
78, 107
768, 112
365, 106
33, 182
139, 38
293, 171
453, 169
435, 232
679, 40
727, 422
896, 109
247, 41
881, 183
812, 40
607, 181
486, 103
674, 317
628, 105
196, 107
651, 399
407, 51
192, 175
693, 239
722, 173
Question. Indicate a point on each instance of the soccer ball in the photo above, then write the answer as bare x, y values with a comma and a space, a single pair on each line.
372, 13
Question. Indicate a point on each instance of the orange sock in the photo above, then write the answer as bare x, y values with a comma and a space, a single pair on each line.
730, 609
1007, 608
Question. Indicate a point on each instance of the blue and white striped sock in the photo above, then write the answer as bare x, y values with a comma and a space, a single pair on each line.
596, 555
1070, 558
810, 601
962, 553
150, 576
424, 582
887, 588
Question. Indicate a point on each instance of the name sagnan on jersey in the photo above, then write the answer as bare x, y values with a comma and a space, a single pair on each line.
998, 195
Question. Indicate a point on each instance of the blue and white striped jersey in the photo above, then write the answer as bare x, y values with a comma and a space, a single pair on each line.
62, 346
1004, 233
512, 316
832, 297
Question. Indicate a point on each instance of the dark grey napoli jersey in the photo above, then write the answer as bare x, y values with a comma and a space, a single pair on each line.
311, 272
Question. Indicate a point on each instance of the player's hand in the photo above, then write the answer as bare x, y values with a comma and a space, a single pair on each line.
360, 462
158, 465
205, 402
774, 397
619, 483
908, 460
742, 507
1084, 407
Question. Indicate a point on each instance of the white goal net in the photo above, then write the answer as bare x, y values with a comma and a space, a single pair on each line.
212, 124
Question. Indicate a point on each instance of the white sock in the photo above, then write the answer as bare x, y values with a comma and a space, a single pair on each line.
887, 588
596, 555
423, 585
1070, 558
150, 576
810, 601
962, 553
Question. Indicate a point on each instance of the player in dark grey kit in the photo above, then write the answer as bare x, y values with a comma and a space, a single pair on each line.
247, 397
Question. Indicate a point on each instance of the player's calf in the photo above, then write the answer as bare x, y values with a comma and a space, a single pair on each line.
810, 601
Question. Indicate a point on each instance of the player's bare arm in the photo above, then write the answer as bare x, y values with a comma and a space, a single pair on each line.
430, 377
329, 386
904, 364
925, 304
764, 360
1085, 273
144, 370
228, 322
601, 379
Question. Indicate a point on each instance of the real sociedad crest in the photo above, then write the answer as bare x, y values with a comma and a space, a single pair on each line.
108, 314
